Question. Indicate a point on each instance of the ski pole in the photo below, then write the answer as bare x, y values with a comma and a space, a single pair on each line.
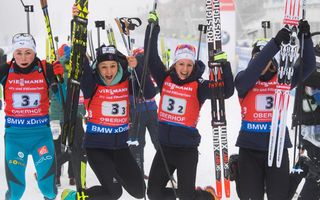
99, 24
265, 25
53, 55
56, 39
27, 9
201, 28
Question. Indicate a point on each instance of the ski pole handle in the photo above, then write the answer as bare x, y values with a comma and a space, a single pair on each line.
201, 28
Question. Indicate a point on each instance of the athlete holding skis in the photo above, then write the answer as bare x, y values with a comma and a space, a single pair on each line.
26, 80
106, 94
256, 87
183, 91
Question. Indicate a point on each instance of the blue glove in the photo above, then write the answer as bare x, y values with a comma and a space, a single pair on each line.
67, 51
316, 96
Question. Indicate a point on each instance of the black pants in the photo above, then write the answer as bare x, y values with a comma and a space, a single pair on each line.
114, 168
77, 151
63, 157
256, 177
148, 120
311, 189
185, 161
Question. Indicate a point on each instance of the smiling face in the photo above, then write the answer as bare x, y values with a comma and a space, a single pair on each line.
24, 57
108, 70
184, 68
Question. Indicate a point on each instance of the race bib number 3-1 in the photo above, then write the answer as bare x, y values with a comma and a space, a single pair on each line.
118, 108
264, 102
26, 100
174, 105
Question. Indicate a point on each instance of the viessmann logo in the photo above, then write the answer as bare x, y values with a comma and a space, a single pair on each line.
23, 82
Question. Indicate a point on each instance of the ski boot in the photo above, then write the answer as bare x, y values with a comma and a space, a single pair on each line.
212, 191
206, 193
68, 194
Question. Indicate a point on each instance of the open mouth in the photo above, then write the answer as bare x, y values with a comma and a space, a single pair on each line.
109, 78
183, 75
24, 64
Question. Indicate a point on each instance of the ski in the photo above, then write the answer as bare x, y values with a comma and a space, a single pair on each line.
297, 109
52, 52
219, 124
78, 53
288, 56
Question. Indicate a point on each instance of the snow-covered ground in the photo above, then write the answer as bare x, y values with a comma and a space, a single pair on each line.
205, 173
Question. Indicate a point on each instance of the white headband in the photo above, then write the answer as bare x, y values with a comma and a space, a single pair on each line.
23, 41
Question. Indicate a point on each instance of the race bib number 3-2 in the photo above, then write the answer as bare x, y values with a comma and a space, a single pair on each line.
174, 105
26, 100
117, 108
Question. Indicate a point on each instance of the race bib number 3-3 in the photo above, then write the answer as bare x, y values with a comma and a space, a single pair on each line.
118, 108
264, 102
26, 100
174, 105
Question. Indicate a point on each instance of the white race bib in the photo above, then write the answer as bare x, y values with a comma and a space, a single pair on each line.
26, 100
112, 109
174, 105
264, 102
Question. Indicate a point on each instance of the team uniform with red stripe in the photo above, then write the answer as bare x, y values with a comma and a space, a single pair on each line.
256, 107
179, 105
108, 110
27, 129
27, 101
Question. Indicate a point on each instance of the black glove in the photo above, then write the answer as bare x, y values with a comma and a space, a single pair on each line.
282, 36
304, 28
153, 18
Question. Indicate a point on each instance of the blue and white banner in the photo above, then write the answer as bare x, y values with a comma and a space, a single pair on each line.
99, 129
26, 122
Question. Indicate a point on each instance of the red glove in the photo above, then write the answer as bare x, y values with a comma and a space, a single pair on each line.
58, 69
